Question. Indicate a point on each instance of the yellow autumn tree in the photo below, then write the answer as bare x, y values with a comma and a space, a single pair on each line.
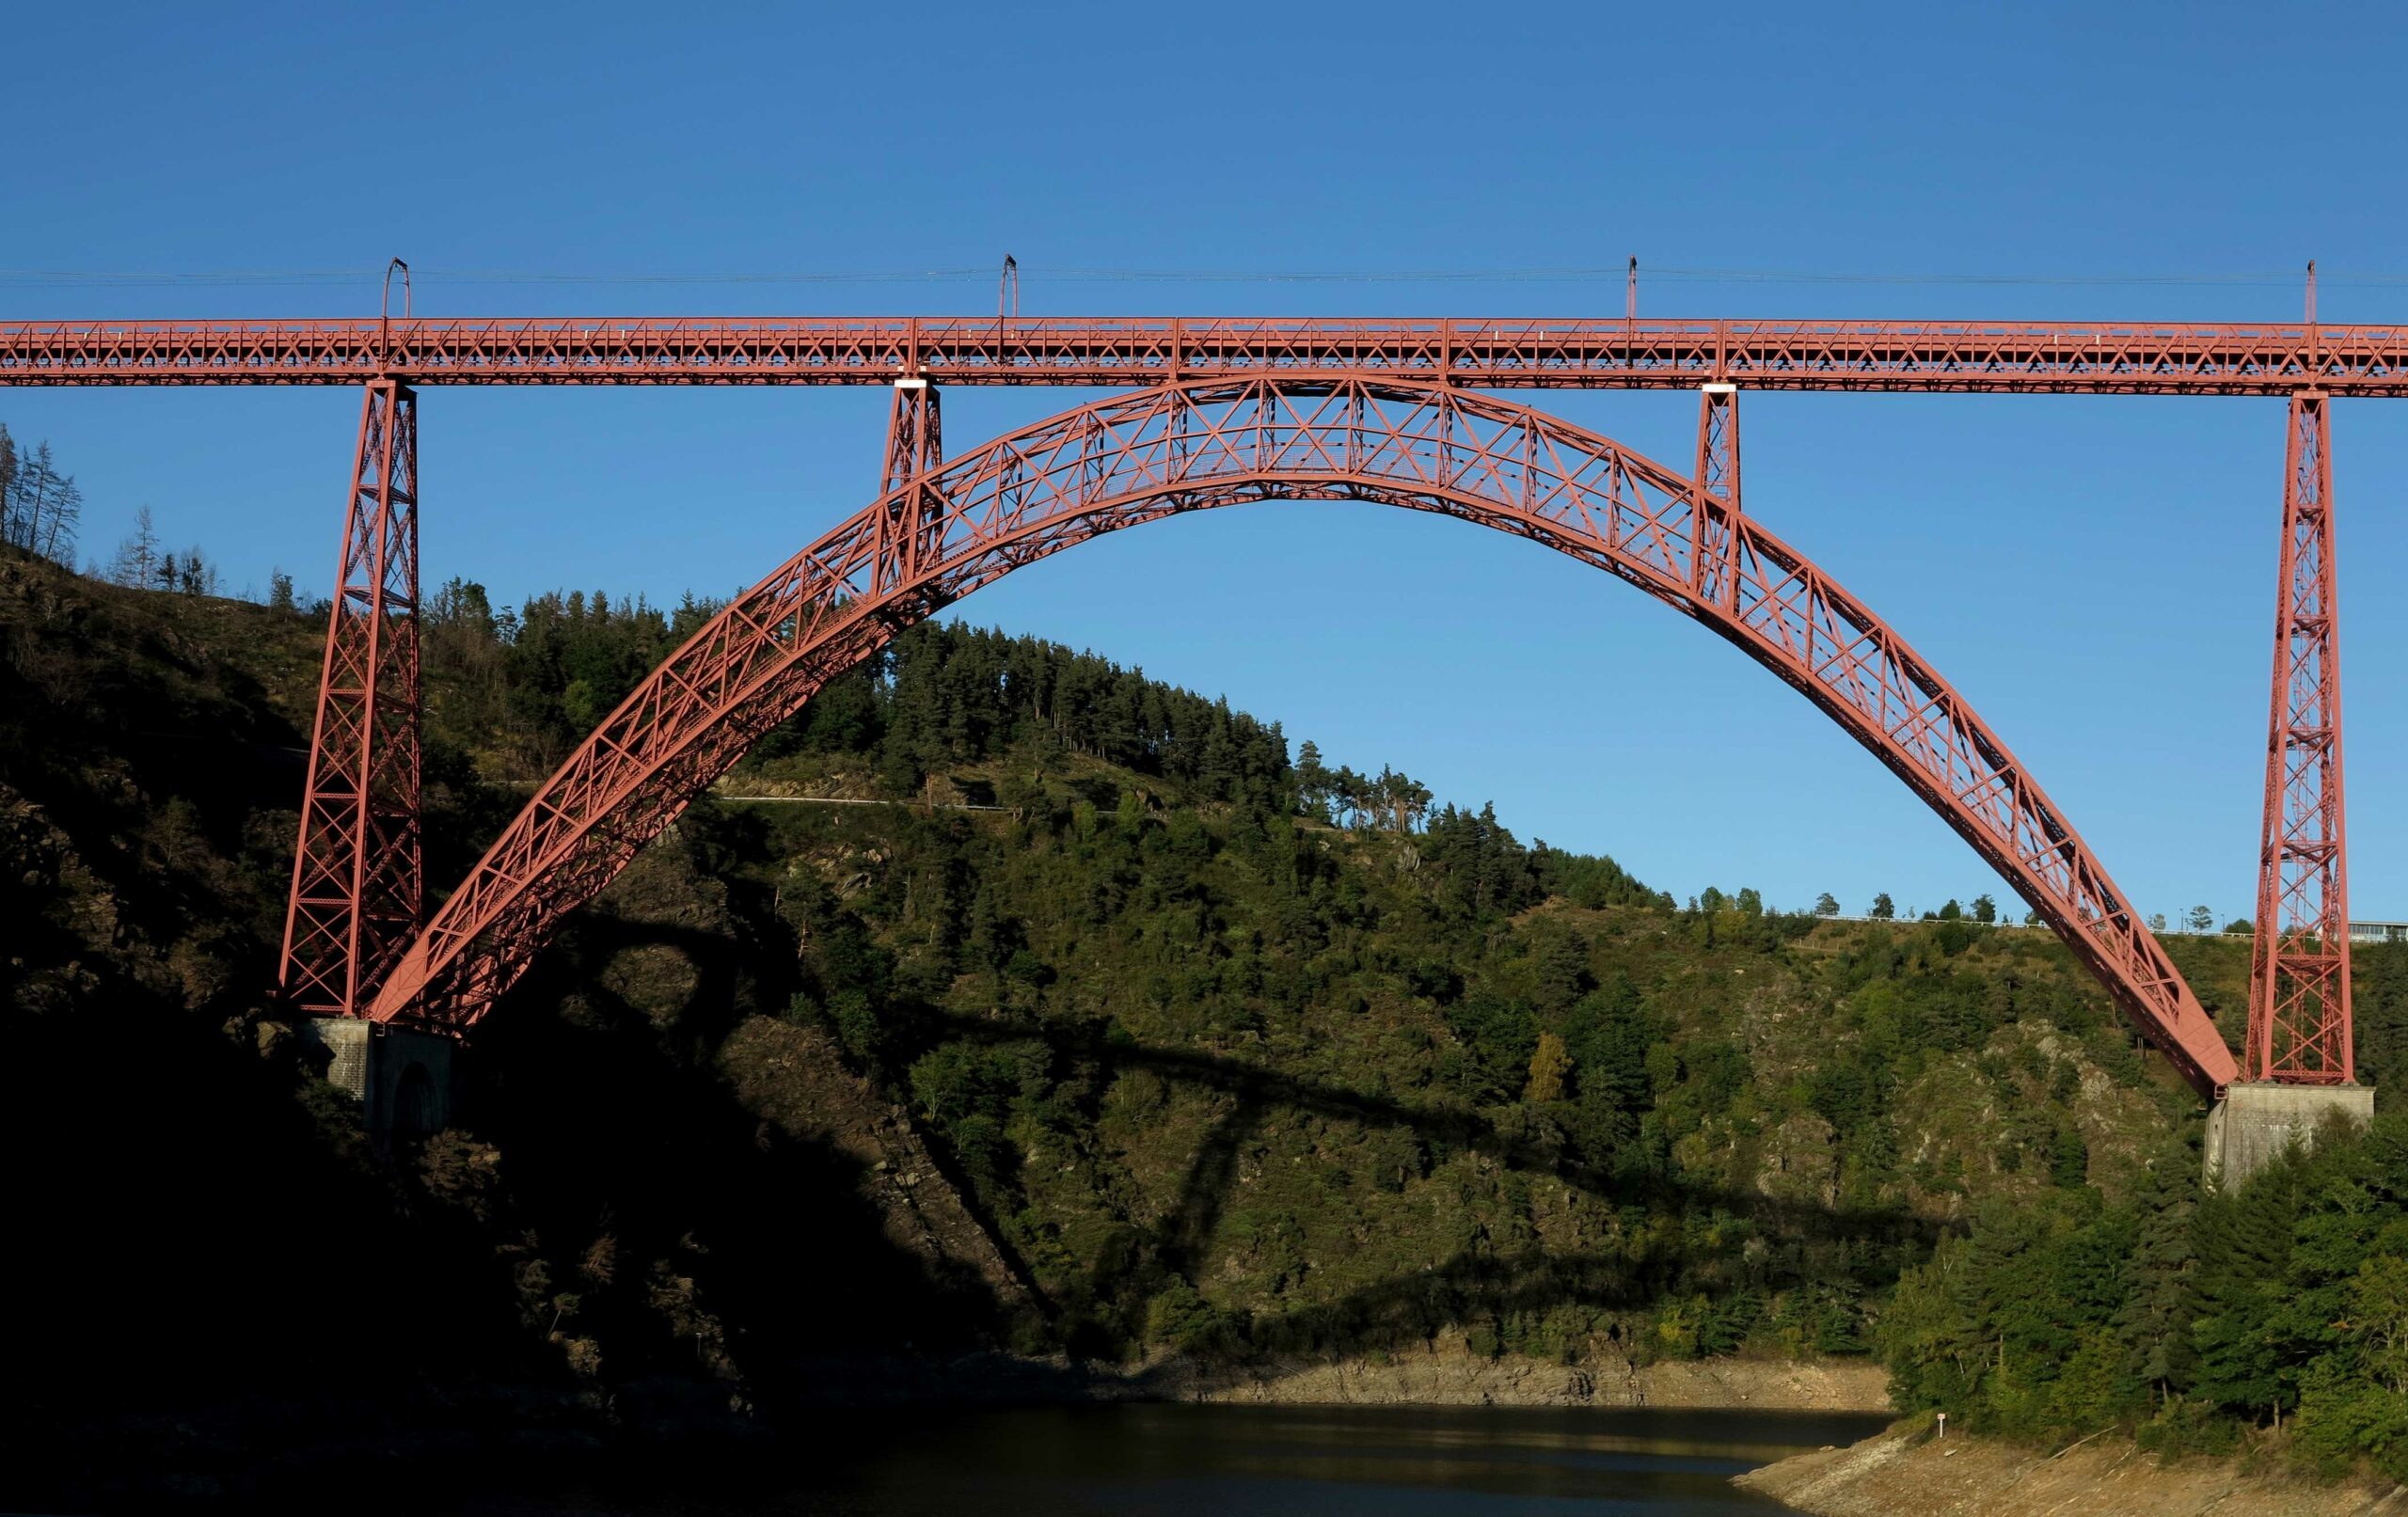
1548, 1066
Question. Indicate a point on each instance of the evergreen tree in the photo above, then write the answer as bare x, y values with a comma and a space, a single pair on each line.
2161, 1277
2068, 1156
2245, 1246
195, 575
39, 507
7, 486
1314, 781
57, 532
135, 564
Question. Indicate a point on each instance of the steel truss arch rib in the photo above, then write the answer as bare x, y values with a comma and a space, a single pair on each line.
1163, 451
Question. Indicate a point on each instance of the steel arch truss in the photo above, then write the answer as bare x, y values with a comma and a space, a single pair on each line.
1162, 451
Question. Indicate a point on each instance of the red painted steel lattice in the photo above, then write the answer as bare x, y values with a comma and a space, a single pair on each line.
356, 867
1718, 443
2299, 1000
1718, 475
1183, 448
2025, 357
914, 450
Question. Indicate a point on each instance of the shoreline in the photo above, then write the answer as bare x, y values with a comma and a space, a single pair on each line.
1448, 1374
1907, 1469
1443, 1373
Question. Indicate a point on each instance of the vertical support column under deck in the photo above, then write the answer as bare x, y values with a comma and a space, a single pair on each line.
2298, 993
914, 447
357, 868
1712, 575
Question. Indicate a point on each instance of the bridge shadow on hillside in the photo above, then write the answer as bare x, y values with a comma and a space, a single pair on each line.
700, 1153
1258, 1090
616, 1117
1474, 1284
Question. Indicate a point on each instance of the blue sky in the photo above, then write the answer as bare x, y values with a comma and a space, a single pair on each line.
2095, 574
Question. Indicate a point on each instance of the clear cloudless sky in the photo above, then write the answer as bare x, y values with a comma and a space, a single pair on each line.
2095, 574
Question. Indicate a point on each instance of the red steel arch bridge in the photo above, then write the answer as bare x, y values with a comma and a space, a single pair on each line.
1214, 411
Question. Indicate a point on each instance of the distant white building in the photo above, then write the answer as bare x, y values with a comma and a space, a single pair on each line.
2378, 932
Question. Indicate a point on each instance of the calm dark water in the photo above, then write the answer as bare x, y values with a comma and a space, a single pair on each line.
1308, 1462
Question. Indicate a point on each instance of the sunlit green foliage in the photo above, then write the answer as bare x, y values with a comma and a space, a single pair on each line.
2189, 1317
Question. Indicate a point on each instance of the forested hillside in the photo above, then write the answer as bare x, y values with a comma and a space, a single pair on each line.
2197, 1318
1227, 1053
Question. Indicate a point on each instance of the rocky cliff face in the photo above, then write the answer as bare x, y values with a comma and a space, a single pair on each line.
1448, 1372
792, 1076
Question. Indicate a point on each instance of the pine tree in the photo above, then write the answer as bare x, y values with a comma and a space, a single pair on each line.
66, 515
35, 488
7, 484
2244, 1248
2162, 1277
196, 575
137, 561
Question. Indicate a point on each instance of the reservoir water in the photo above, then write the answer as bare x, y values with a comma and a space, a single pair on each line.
1169, 1461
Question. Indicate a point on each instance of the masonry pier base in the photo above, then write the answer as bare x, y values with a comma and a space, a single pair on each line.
2254, 1123
401, 1078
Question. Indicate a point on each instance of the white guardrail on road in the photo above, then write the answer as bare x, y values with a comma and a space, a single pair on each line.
2360, 932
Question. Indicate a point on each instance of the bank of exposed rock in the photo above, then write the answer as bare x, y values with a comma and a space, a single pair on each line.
1447, 1372
791, 1076
1909, 1471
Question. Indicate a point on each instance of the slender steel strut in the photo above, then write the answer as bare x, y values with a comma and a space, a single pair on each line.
1717, 479
914, 450
1718, 442
356, 863
2299, 989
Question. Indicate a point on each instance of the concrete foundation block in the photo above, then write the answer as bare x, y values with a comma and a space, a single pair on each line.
402, 1078
2254, 1123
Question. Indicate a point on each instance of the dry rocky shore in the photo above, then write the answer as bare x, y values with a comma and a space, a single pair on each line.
1447, 1372
1909, 1471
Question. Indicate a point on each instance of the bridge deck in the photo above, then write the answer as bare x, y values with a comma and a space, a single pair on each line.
2017, 358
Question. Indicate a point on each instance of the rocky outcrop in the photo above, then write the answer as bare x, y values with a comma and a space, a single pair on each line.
1909, 1471
1447, 1372
793, 1077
